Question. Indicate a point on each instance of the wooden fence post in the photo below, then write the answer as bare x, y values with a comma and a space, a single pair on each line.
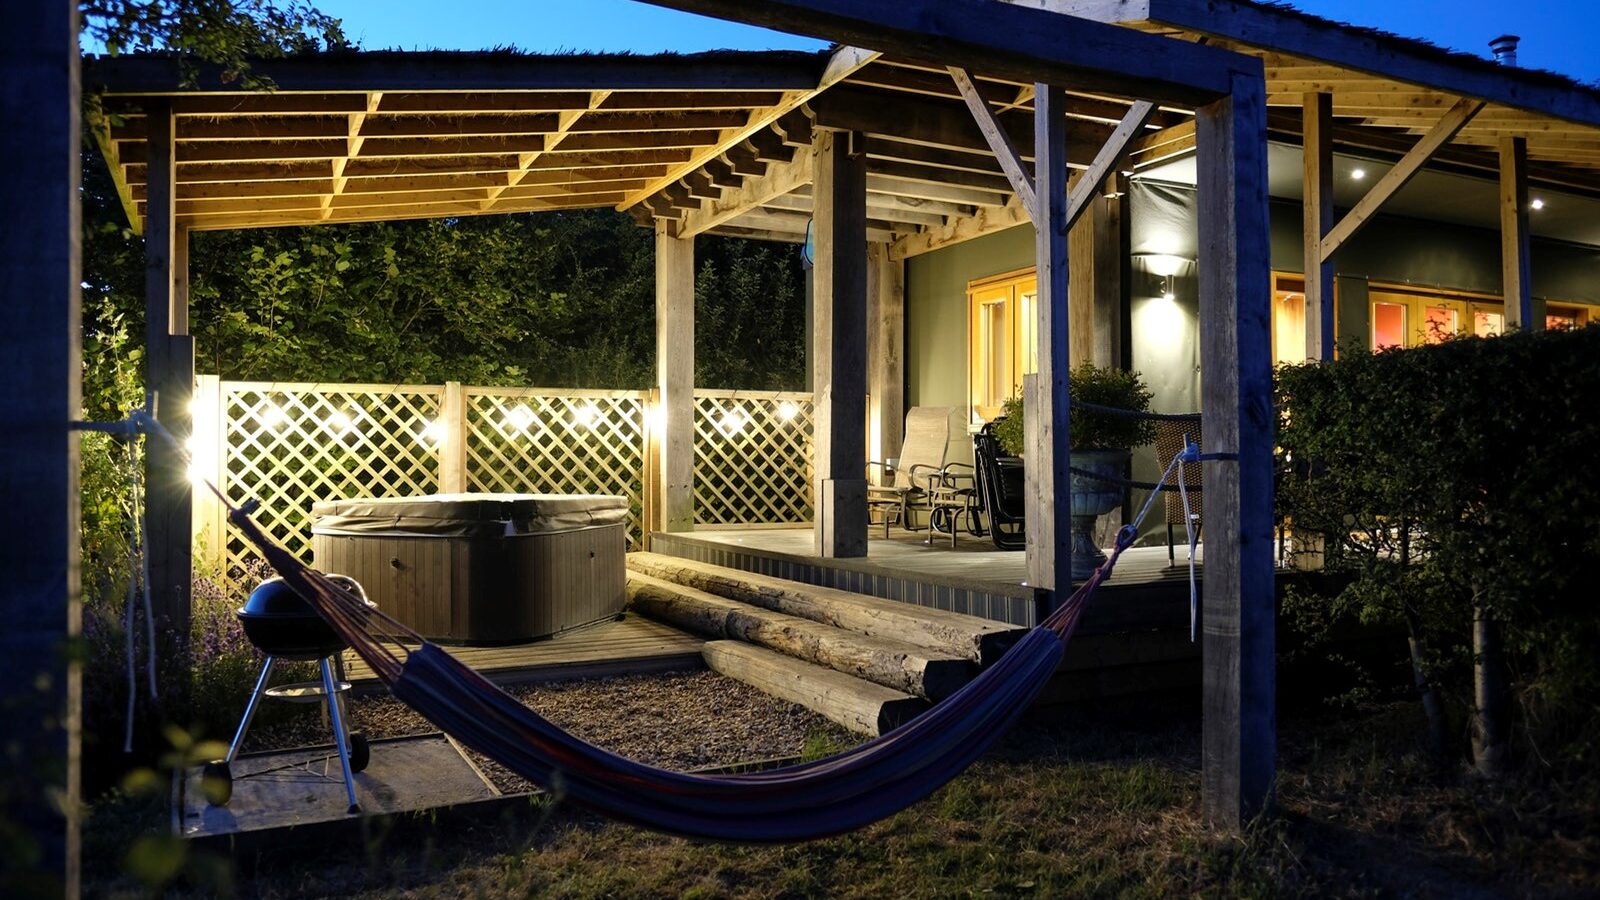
453, 439
209, 458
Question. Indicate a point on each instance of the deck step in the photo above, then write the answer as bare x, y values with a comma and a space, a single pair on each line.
976, 639
912, 669
856, 704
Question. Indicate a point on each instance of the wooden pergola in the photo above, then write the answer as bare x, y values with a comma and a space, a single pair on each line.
861, 141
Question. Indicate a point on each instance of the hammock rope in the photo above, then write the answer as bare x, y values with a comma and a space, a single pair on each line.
839, 793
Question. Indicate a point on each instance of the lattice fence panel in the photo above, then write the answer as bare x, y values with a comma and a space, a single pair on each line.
752, 457
545, 441
290, 445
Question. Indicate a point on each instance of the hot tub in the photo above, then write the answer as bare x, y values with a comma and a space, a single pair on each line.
481, 568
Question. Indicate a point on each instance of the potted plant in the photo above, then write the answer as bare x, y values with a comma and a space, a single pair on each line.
1101, 444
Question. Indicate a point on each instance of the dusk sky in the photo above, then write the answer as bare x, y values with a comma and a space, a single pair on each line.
1561, 35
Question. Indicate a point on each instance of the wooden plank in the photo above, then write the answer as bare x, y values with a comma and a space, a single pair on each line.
982, 641
914, 670
1516, 279
987, 220
1239, 732
1046, 404
1400, 175
1317, 222
860, 706
1005, 40
329, 73
40, 341
839, 318
841, 63
675, 380
998, 138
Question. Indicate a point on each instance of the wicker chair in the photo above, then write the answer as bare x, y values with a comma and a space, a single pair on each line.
1170, 437
920, 469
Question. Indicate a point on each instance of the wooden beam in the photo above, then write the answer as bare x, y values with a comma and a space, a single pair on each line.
353, 144
100, 128
1105, 163
1516, 281
565, 122
987, 220
1157, 147
781, 178
1401, 174
841, 63
1047, 408
1316, 223
1005, 40
998, 138
1239, 621
839, 305
465, 72
169, 373
40, 341
1346, 51
675, 380
796, 223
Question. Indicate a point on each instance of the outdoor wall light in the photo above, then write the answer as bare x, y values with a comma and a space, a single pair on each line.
1357, 174
1537, 203
655, 417
787, 410
519, 417
587, 415
1164, 266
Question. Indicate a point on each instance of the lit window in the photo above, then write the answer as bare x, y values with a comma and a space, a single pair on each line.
1002, 347
1388, 325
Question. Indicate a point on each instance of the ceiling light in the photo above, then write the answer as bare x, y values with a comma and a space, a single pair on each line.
1358, 174
1537, 203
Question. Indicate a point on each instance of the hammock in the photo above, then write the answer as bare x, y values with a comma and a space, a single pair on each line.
796, 803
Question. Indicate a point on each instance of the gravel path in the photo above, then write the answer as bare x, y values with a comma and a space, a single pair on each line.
678, 721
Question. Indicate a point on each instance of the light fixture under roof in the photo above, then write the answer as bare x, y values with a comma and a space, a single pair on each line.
1358, 173
1537, 203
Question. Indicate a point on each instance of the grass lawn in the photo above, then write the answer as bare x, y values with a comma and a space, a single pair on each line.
1073, 803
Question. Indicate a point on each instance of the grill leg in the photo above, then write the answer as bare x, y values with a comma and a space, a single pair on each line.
340, 739
250, 710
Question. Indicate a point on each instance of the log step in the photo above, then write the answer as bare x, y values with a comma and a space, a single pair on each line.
974, 638
858, 705
905, 667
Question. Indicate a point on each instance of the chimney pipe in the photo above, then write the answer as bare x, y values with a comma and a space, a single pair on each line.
1504, 48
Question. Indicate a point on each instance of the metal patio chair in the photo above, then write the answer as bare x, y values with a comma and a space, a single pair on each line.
920, 469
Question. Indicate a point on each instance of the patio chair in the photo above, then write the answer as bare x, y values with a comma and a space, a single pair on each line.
1000, 490
920, 469
1170, 437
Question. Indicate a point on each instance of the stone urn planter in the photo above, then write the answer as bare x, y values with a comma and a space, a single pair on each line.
1091, 499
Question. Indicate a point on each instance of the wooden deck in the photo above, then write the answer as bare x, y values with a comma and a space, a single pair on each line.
972, 578
627, 646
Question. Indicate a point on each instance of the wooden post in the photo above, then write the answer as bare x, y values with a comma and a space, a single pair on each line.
453, 439
210, 430
1046, 405
1515, 275
886, 310
1318, 221
169, 368
1095, 260
675, 379
839, 229
40, 324
1236, 379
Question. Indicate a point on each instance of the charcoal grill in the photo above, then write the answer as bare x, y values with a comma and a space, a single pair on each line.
284, 627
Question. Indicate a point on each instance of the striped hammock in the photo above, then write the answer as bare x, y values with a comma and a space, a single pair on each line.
796, 803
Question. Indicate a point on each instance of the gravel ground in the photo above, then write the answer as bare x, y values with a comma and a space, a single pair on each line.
678, 721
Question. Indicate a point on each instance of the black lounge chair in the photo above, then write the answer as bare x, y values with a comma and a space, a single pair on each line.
1000, 490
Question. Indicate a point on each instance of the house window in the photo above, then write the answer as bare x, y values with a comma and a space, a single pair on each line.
1001, 343
1564, 316
1411, 317
1288, 319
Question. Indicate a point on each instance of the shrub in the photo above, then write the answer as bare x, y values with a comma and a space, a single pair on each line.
1450, 481
1091, 430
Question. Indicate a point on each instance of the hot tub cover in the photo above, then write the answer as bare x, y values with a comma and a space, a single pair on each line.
468, 515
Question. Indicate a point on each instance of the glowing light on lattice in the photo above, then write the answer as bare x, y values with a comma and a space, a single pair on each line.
787, 410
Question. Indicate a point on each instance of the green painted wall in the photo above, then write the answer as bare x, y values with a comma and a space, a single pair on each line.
936, 311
